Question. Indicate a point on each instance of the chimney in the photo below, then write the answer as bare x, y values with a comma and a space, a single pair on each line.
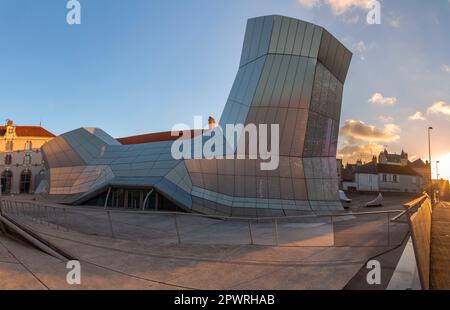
211, 122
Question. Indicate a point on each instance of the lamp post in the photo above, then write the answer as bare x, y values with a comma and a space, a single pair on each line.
437, 170
429, 161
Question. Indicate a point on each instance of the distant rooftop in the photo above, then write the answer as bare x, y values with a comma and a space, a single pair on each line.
26, 131
373, 168
160, 136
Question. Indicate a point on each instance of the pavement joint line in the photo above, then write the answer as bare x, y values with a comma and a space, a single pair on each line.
137, 277
9, 262
24, 266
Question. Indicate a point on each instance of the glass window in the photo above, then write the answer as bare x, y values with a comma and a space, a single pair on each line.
27, 159
8, 159
6, 181
384, 178
28, 146
395, 178
25, 181
9, 146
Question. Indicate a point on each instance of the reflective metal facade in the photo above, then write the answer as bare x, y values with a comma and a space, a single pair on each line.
292, 74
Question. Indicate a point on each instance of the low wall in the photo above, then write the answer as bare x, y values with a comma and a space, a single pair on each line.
419, 213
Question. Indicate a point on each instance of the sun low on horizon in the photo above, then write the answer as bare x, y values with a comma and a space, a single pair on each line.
443, 166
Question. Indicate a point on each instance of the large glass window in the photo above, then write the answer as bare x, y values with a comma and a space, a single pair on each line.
25, 181
6, 181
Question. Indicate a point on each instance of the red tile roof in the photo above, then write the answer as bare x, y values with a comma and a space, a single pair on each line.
159, 136
29, 131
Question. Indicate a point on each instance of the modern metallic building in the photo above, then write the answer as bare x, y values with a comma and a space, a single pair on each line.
292, 74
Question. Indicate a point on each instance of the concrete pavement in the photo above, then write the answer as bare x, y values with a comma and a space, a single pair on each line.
440, 248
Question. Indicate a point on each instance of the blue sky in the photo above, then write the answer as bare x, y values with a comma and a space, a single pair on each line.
140, 66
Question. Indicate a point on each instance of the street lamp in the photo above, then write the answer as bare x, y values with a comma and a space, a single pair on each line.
437, 170
429, 160
429, 145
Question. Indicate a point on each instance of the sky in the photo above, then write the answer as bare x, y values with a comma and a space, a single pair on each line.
141, 66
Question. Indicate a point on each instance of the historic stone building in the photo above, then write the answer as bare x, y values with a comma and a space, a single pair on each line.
21, 161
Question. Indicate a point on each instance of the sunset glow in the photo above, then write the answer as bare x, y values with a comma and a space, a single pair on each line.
444, 167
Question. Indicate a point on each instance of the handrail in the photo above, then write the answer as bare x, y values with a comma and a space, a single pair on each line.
222, 217
410, 205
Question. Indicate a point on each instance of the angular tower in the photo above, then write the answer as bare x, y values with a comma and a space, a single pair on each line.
291, 73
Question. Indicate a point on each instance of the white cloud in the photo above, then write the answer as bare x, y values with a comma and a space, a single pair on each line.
379, 99
439, 107
310, 3
418, 116
351, 19
364, 152
385, 119
446, 68
354, 130
394, 21
359, 48
359, 140
338, 7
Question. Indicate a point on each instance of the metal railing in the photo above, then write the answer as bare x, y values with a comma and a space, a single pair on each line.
365, 229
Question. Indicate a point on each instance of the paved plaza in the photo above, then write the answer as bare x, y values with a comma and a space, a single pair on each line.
143, 251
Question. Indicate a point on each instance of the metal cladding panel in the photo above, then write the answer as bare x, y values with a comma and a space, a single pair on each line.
247, 41
334, 56
307, 40
58, 153
266, 35
242, 95
294, 100
266, 99
299, 37
280, 81
283, 36
289, 85
277, 23
290, 41
315, 43
256, 37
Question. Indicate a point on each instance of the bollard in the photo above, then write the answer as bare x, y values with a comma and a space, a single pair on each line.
250, 232
176, 228
110, 224
389, 230
276, 231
